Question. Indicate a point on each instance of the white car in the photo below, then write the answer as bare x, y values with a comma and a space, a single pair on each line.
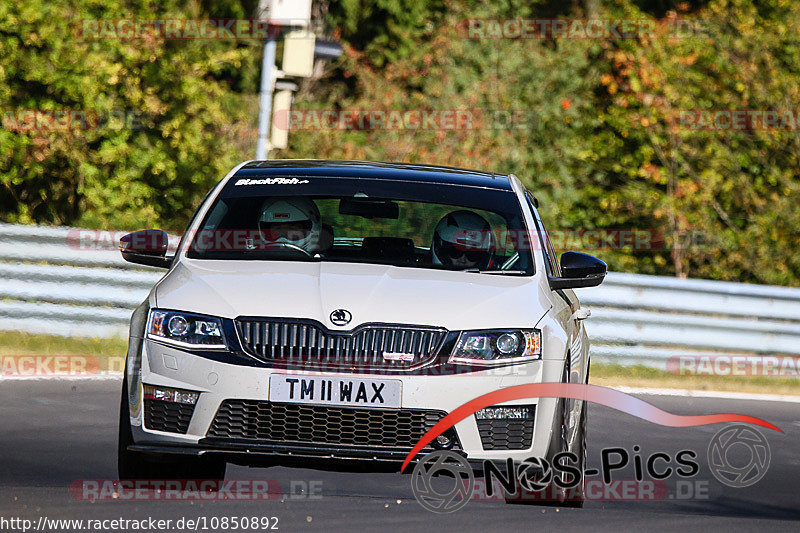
329, 313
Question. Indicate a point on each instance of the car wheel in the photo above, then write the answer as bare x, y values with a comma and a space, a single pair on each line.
557, 496
577, 495
141, 466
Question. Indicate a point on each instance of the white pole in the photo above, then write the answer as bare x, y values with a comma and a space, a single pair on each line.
267, 86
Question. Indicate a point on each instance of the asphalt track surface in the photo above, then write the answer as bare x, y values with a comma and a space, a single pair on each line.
55, 432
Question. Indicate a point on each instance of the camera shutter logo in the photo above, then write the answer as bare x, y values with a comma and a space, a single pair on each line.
461, 476
733, 440
341, 317
534, 474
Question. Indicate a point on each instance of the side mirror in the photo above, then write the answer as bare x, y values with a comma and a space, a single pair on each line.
146, 247
579, 270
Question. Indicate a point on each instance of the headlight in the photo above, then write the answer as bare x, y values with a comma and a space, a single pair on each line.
185, 329
497, 347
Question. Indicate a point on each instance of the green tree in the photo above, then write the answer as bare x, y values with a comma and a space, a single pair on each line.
159, 112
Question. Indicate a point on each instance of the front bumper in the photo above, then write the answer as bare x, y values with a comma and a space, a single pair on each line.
218, 381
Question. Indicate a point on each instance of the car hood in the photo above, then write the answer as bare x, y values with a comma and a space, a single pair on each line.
371, 293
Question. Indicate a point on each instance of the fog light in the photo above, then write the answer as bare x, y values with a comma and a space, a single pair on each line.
445, 441
152, 392
494, 413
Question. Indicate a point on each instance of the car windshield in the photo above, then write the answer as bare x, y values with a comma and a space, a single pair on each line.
392, 222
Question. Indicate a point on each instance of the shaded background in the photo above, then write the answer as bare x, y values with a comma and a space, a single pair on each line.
599, 143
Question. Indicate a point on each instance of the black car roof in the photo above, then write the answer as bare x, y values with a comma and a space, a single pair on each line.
364, 169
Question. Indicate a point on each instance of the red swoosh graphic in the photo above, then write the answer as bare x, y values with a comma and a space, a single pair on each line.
578, 391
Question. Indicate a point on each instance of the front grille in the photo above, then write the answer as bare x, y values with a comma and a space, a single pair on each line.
167, 416
278, 423
388, 347
506, 433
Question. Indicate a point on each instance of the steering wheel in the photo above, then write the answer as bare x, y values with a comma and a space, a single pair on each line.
289, 246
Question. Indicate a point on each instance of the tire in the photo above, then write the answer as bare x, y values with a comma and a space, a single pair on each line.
141, 466
557, 446
581, 452
578, 495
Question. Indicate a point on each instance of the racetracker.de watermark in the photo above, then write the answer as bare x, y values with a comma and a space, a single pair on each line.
68, 120
404, 119
735, 365
581, 29
176, 29
738, 120
221, 240
193, 490
49, 365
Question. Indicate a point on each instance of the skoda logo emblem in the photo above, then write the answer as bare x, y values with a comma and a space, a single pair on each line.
341, 317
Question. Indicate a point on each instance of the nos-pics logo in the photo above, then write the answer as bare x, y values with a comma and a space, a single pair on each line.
444, 481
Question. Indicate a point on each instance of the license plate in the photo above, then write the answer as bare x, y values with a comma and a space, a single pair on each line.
335, 391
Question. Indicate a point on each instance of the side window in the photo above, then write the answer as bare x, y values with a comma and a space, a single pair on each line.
549, 253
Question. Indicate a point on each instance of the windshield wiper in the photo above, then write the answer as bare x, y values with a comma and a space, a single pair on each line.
476, 270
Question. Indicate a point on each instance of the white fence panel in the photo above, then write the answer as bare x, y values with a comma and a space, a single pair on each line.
73, 282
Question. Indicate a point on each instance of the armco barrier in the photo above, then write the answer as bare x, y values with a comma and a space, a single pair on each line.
52, 282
